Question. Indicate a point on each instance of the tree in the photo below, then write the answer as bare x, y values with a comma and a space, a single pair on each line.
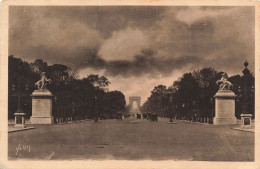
20, 75
98, 81
236, 82
159, 90
187, 91
114, 102
197, 87
206, 78
60, 76
157, 100
39, 66
69, 91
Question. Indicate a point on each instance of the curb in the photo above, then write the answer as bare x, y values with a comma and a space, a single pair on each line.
245, 130
208, 124
71, 122
27, 128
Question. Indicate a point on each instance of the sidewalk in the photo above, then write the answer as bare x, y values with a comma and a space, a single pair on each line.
252, 130
238, 125
11, 128
29, 126
192, 122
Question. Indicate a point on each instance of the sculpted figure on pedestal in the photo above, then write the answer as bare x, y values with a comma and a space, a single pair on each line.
41, 84
224, 83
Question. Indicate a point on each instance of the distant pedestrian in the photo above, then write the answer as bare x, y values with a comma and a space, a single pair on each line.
196, 117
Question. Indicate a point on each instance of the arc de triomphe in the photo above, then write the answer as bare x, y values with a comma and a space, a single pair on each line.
132, 99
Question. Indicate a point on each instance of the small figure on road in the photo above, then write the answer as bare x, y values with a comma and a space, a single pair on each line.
156, 117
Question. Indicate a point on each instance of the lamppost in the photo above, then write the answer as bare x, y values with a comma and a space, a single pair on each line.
245, 90
212, 108
177, 112
194, 111
96, 117
55, 112
183, 109
171, 103
73, 111
19, 114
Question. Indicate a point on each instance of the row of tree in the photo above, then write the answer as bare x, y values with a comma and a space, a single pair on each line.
192, 96
84, 98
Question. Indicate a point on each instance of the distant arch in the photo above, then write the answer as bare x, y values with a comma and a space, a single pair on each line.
135, 104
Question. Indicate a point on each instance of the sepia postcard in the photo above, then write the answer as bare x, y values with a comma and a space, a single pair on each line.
129, 84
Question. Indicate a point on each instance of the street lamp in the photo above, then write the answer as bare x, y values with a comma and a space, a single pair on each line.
55, 99
194, 110
245, 90
96, 118
73, 111
177, 112
183, 109
19, 114
212, 108
171, 102
55, 112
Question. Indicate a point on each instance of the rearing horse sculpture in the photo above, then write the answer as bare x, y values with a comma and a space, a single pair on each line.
41, 84
224, 83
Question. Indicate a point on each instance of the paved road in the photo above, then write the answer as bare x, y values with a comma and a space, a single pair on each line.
113, 139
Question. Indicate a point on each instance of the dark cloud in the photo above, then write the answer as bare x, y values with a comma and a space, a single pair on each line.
135, 41
103, 19
147, 64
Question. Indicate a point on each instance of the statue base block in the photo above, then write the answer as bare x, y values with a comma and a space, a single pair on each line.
42, 107
41, 120
224, 120
224, 108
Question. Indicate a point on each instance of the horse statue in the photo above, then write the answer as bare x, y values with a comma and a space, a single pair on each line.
41, 84
224, 83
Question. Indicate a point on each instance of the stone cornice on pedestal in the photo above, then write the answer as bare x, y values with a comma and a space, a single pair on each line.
225, 94
42, 93
20, 114
246, 115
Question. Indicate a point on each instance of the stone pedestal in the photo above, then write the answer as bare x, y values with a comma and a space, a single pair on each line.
246, 120
224, 108
19, 119
42, 107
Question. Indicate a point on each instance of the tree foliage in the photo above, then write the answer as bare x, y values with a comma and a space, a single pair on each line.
114, 102
193, 93
69, 91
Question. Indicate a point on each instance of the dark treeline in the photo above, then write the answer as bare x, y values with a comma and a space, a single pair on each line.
191, 97
74, 98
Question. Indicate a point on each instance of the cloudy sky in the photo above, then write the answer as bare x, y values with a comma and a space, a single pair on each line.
136, 48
